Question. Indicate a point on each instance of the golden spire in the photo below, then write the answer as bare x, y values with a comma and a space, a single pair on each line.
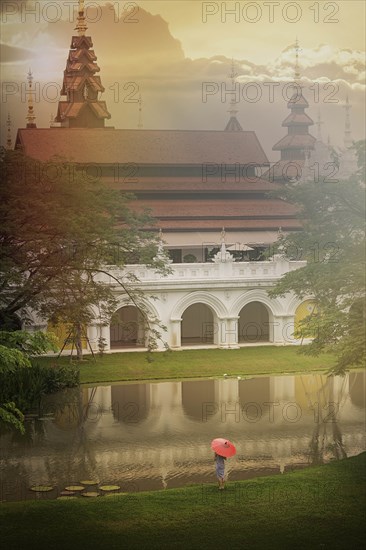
30, 115
81, 26
233, 125
8, 137
140, 125
347, 127
297, 70
233, 74
319, 126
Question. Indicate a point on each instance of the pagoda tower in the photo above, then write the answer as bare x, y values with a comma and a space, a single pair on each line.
298, 142
81, 85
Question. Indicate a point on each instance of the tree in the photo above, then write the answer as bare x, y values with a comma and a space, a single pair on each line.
60, 229
16, 350
333, 244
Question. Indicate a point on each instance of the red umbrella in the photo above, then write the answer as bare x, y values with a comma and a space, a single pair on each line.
223, 447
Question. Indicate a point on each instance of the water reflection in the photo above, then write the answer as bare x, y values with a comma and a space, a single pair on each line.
156, 435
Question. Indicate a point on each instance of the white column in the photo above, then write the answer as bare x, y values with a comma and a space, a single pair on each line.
175, 333
141, 335
228, 332
282, 330
105, 332
92, 333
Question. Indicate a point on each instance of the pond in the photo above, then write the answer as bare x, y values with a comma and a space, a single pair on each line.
148, 436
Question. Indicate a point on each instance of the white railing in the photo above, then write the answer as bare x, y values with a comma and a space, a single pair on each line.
270, 269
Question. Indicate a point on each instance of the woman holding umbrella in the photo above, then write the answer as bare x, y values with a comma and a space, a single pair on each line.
223, 449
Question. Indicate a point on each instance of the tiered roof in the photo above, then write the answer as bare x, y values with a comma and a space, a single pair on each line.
298, 140
81, 86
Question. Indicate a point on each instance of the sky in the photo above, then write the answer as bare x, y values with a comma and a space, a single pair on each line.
178, 54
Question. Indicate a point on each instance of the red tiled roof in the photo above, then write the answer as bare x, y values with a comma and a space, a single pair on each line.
213, 209
78, 66
190, 184
80, 42
79, 53
296, 141
75, 83
285, 170
295, 119
297, 100
74, 65
72, 110
219, 223
100, 108
108, 146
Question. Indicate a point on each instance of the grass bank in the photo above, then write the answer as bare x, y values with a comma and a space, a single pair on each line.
248, 361
319, 507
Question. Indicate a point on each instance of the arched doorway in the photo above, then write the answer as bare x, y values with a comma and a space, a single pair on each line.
254, 324
198, 326
127, 328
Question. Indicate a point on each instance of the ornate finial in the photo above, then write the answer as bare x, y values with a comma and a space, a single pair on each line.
223, 256
232, 75
81, 26
306, 172
347, 127
297, 70
319, 126
8, 137
140, 125
233, 125
30, 115
161, 254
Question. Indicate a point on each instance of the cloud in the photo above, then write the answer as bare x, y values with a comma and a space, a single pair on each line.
144, 57
13, 54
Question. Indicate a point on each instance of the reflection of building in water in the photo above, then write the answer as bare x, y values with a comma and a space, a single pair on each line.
130, 403
357, 388
157, 434
199, 397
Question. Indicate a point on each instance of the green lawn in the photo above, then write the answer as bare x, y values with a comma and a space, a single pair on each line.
314, 508
197, 363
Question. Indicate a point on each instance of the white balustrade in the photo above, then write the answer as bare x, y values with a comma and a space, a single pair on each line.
253, 271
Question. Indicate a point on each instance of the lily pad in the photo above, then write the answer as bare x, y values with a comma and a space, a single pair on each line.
90, 494
67, 493
75, 488
42, 488
109, 487
89, 482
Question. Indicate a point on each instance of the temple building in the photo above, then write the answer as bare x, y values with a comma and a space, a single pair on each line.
208, 191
